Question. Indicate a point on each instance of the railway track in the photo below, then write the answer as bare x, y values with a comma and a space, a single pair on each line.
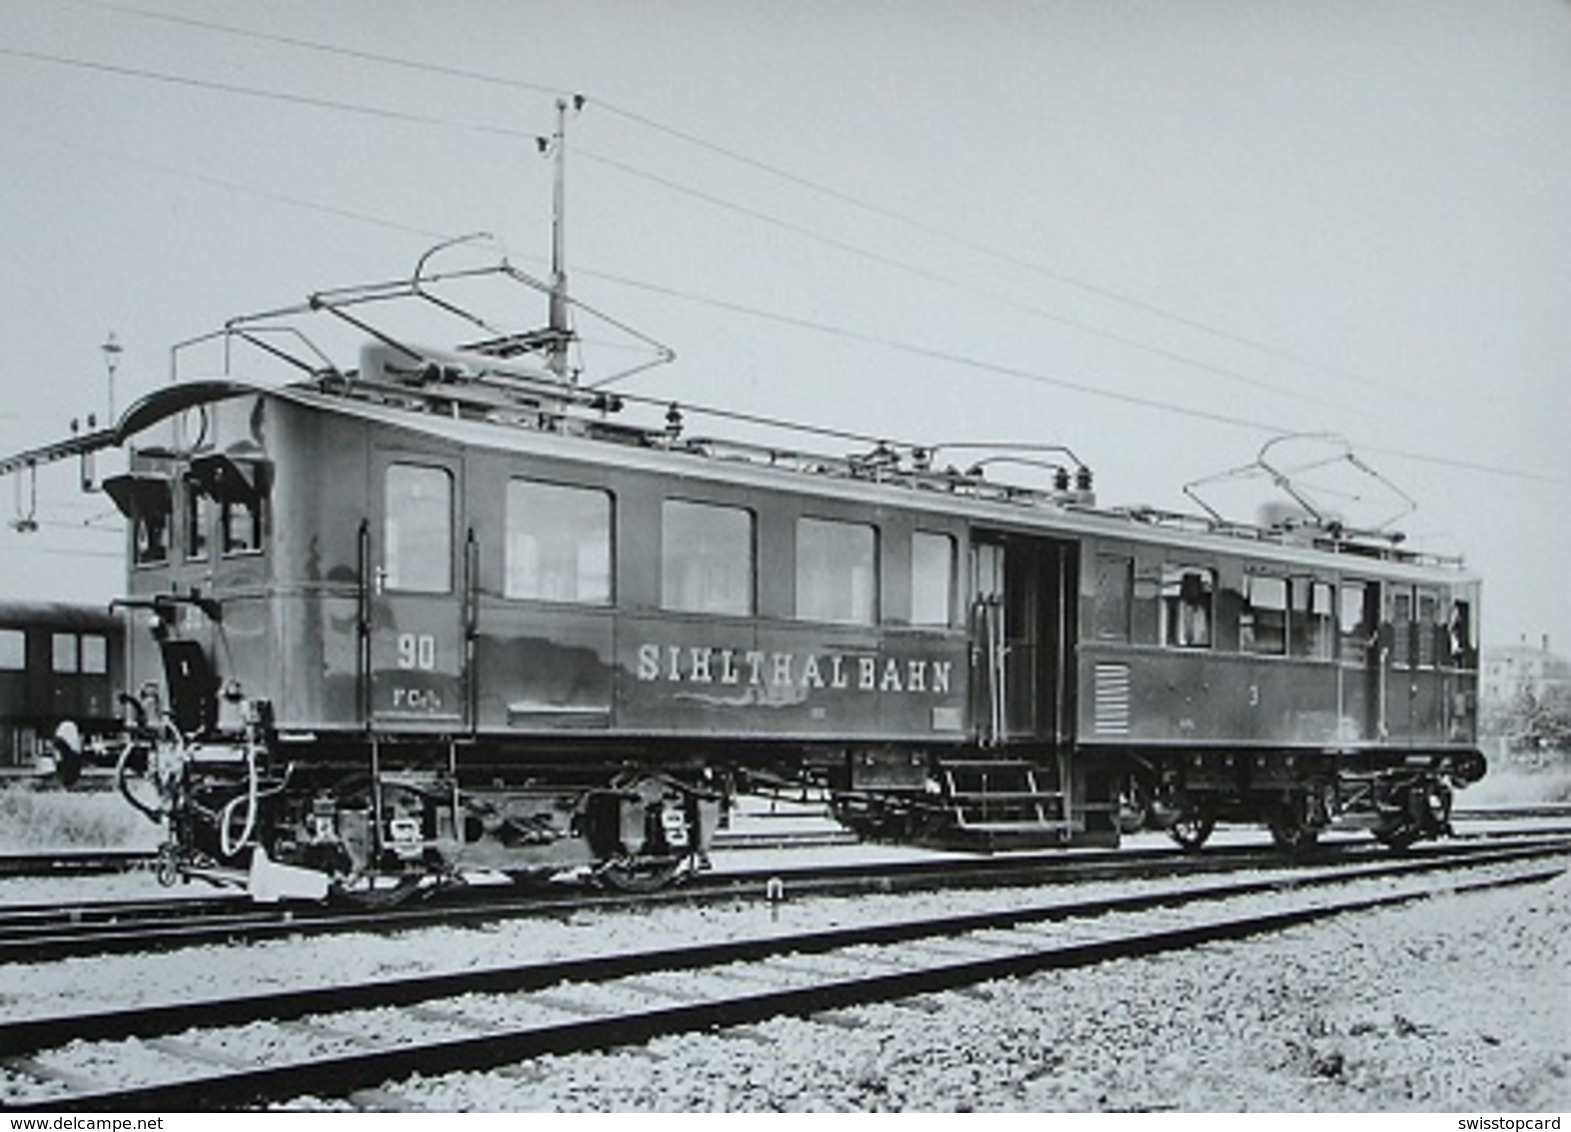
347, 1041
55, 931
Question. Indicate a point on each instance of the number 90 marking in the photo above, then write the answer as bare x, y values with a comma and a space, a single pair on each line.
417, 650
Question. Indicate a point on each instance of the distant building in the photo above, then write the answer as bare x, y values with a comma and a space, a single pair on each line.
1513, 670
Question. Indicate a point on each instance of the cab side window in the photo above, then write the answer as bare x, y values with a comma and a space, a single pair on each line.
417, 529
1188, 606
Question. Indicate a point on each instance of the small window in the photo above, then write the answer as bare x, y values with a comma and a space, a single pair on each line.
836, 572
932, 579
150, 538
13, 650
1402, 628
706, 558
1187, 606
1429, 628
63, 651
558, 543
240, 522
1262, 623
95, 654
197, 509
1459, 634
1355, 617
1311, 619
418, 529
1114, 585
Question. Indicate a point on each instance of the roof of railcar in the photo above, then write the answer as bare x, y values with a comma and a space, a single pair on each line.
56, 615
951, 495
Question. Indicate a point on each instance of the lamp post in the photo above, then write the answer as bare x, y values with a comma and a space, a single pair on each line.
112, 351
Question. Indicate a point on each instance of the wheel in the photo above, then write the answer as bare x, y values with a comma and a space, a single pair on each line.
1134, 806
1191, 828
1289, 831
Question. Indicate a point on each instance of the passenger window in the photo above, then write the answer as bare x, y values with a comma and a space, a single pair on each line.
63, 648
1114, 583
418, 529
706, 558
1187, 606
558, 543
836, 572
13, 650
95, 654
932, 579
1262, 623
1311, 619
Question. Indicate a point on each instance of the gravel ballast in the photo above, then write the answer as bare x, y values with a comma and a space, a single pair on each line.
1458, 1003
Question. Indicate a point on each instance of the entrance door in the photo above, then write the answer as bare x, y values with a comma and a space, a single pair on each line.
1022, 615
416, 600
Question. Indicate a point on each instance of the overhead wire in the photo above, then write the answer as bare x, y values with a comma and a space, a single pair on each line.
467, 74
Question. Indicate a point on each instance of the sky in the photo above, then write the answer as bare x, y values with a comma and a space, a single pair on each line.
1161, 234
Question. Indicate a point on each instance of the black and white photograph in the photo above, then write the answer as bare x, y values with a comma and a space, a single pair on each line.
829, 556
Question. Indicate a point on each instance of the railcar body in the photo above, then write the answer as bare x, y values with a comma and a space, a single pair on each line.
446, 611
60, 664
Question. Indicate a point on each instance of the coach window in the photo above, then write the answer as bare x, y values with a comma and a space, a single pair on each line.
836, 572
1114, 585
932, 579
1187, 606
63, 648
418, 529
13, 650
95, 654
1310, 620
706, 558
1262, 623
558, 543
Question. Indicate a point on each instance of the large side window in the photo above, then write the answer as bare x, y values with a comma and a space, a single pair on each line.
706, 558
1357, 620
1188, 606
932, 579
1311, 620
836, 572
1402, 628
95, 654
64, 655
558, 543
1262, 623
418, 529
1114, 585
13, 650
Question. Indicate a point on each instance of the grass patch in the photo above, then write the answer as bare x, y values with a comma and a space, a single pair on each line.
35, 818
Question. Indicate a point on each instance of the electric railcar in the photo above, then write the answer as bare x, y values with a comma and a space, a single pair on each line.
60, 664
448, 612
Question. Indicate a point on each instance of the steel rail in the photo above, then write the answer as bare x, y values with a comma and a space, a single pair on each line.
34, 933
912, 974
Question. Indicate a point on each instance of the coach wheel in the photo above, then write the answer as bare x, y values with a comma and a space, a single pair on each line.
1289, 830
1134, 805
1191, 828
